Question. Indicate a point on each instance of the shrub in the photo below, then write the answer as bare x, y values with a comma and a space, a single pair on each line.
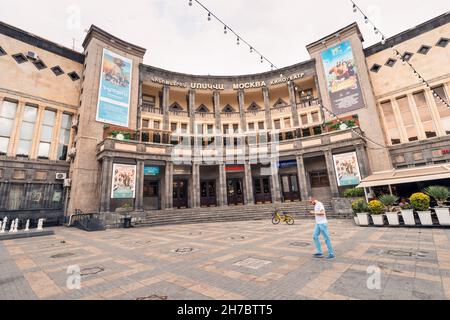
354, 193
440, 194
359, 206
405, 206
376, 207
420, 201
388, 200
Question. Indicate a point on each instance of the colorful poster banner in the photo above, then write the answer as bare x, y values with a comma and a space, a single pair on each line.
123, 181
342, 79
115, 89
347, 169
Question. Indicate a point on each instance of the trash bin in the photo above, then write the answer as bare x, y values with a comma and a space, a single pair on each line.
127, 223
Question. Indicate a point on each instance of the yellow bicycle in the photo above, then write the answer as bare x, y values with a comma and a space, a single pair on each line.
279, 216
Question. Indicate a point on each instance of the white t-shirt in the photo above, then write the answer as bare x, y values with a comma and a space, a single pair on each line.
317, 208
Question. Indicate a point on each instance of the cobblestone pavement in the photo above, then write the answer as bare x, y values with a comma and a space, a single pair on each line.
243, 260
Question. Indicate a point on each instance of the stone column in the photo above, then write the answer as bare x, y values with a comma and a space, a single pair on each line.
275, 179
241, 101
331, 174
33, 152
191, 101
15, 133
249, 183
165, 107
431, 101
222, 189
303, 184
106, 184
417, 121
168, 185
195, 185
265, 91
217, 111
139, 201
293, 100
363, 161
56, 132
399, 121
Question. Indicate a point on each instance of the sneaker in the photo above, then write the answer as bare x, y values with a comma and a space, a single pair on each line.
318, 255
331, 257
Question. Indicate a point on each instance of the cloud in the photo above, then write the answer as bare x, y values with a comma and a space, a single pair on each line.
180, 38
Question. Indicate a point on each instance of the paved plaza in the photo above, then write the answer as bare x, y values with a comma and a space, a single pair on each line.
240, 260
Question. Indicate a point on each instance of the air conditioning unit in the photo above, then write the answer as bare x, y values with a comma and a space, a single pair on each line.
72, 152
75, 122
67, 183
32, 55
61, 176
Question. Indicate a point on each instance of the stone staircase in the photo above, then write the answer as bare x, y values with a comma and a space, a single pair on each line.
298, 210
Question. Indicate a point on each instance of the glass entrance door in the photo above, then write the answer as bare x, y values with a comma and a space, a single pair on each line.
235, 192
208, 194
180, 194
262, 190
151, 195
289, 185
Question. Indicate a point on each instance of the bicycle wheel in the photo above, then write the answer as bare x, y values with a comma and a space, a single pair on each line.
275, 220
290, 220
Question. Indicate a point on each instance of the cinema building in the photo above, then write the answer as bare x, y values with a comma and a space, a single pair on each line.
100, 130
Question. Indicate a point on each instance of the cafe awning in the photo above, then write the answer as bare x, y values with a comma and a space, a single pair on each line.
402, 176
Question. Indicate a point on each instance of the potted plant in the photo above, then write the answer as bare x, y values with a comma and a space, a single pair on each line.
354, 193
407, 212
389, 201
440, 194
421, 204
376, 209
360, 210
125, 209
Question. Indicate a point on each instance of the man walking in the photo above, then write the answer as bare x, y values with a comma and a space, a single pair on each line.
321, 228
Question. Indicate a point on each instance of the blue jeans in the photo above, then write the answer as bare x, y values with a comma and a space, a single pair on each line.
322, 229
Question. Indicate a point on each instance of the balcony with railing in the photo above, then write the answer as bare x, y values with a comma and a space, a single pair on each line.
255, 114
151, 108
230, 115
281, 109
308, 102
205, 115
179, 113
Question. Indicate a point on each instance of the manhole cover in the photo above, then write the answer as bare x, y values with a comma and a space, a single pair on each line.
152, 297
91, 271
183, 250
300, 244
239, 238
400, 253
252, 263
62, 255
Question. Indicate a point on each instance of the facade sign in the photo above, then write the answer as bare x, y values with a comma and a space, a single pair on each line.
287, 164
123, 181
152, 171
342, 79
181, 170
234, 168
115, 89
347, 169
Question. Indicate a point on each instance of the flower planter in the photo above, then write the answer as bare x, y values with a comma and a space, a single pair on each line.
443, 215
363, 219
425, 218
378, 219
355, 218
408, 217
393, 218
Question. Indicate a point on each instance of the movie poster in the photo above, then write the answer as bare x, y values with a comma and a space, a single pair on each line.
347, 169
115, 89
123, 181
342, 79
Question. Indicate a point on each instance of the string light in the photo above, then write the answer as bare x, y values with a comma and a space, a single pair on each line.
401, 57
227, 28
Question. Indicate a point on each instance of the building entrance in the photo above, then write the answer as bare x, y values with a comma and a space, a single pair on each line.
152, 195
290, 189
262, 190
180, 194
235, 191
208, 196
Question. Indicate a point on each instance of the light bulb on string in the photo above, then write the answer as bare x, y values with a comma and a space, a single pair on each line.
354, 8
366, 20
262, 59
376, 30
209, 16
225, 29
237, 41
383, 40
190, 3
251, 49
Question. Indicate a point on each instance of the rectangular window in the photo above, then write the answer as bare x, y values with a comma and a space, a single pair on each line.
8, 112
210, 129
225, 128
184, 128
156, 125
277, 124
145, 123
304, 118
64, 136
200, 129
319, 179
235, 128
287, 123
48, 123
408, 119
444, 111
391, 124
261, 125
173, 126
251, 126
27, 131
425, 114
315, 117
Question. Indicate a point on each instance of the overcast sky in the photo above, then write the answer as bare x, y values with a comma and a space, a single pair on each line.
179, 38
